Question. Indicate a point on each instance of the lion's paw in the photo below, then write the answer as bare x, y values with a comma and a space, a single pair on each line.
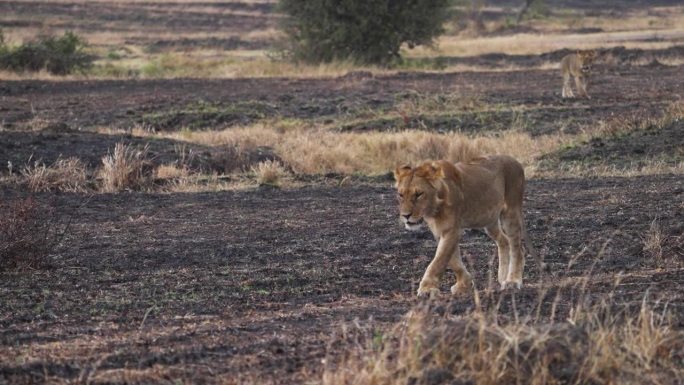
462, 288
514, 285
428, 292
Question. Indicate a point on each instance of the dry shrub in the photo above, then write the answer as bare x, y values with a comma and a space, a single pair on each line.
27, 234
63, 175
127, 168
269, 172
428, 348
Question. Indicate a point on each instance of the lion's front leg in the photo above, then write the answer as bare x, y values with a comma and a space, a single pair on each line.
448, 245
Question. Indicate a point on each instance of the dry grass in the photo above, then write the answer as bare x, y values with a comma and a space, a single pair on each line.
638, 120
595, 339
207, 183
126, 168
653, 242
534, 44
237, 64
313, 150
600, 348
63, 175
269, 172
416, 103
170, 171
641, 168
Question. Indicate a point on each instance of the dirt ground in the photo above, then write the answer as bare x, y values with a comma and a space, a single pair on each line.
162, 103
213, 287
248, 286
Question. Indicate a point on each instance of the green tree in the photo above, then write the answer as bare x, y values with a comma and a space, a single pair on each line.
365, 31
58, 55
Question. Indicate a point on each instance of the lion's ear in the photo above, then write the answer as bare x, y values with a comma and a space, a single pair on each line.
438, 170
401, 171
430, 171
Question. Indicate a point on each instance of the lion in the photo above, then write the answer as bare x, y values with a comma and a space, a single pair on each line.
577, 65
485, 193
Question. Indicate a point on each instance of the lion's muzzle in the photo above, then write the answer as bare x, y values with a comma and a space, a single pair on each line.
411, 224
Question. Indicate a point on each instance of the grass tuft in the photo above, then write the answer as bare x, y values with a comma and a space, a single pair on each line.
269, 173
63, 175
126, 168
653, 242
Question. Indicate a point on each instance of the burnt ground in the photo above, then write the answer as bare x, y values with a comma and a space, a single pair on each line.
141, 22
249, 285
216, 287
624, 150
533, 95
65, 113
26, 148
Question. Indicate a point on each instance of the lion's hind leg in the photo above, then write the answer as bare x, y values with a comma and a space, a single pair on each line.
512, 226
503, 250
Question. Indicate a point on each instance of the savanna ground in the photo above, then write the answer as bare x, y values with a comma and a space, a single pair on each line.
262, 224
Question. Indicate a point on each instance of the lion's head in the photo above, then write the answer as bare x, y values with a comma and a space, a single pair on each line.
418, 192
586, 59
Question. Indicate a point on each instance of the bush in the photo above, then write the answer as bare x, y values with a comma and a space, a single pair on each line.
59, 56
368, 32
27, 234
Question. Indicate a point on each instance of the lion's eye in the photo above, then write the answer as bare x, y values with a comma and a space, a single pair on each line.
400, 196
419, 194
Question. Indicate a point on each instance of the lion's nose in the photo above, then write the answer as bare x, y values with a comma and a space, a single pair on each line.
407, 216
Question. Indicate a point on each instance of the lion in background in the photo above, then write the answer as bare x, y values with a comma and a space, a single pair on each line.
486, 193
577, 66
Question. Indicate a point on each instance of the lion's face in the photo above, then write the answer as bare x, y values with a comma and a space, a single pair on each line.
586, 59
417, 194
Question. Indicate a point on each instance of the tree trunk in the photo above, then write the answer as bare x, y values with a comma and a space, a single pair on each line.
523, 10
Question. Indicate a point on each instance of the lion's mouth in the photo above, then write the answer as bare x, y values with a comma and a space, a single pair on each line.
413, 226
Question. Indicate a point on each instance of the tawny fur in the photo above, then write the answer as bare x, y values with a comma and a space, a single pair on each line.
486, 193
577, 66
